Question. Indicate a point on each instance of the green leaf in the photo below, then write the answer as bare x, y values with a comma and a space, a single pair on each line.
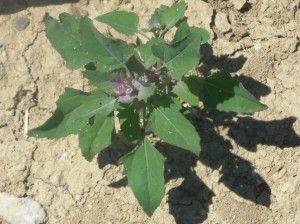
205, 36
57, 126
91, 107
130, 123
144, 168
184, 30
146, 91
74, 108
188, 89
183, 91
79, 43
180, 57
225, 93
71, 99
172, 127
108, 54
172, 15
96, 136
65, 38
103, 81
154, 22
122, 21
146, 52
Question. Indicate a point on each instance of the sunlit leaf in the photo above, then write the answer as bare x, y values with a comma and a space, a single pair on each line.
144, 168
172, 127
79, 43
225, 93
122, 21
97, 135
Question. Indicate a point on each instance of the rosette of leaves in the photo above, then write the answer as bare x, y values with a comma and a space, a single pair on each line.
144, 83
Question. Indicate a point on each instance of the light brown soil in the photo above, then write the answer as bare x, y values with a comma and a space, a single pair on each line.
248, 170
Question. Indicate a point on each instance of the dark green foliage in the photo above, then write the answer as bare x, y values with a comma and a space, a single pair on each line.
140, 87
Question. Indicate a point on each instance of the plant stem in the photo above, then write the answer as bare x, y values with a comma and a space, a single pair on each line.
128, 73
144, 35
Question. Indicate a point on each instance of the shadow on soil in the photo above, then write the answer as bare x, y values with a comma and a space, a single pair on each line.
189, 202
13, 6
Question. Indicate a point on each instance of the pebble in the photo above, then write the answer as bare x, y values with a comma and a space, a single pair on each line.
61, 189
56, 180
21, 23
16, 210
21, 167
78, 197
130, 6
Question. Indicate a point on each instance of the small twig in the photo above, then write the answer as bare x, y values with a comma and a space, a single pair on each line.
26, 123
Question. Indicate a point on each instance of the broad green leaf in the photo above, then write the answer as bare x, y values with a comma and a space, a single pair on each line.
91, 107
184, 30
146, 91
172, 127
180, 57
146, 52
225, 93
130, 123
103, 81
79, 43
65, 38
172, 15
205, 36
183, 91
97, 135
188, 89
122, 21
144, 168
57, 126
154, 22
71, 99
108, 54
135, 65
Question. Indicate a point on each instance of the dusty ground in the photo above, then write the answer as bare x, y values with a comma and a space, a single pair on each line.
248, 171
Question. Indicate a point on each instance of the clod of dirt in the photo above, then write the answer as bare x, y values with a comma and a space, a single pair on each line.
21, 23
222, 22
20, 210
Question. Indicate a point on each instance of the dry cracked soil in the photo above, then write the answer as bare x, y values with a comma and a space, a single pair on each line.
248, 170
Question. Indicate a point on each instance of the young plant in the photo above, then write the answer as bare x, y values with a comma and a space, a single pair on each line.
140, 86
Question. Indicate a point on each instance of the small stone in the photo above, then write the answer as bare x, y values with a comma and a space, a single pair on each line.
238, 4
130, 6
20, 210
56, 180
257, 46
21, 23
61, 189
78, 197
21, 167
222, 23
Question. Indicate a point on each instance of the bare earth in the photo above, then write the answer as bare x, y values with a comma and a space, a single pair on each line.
249, 167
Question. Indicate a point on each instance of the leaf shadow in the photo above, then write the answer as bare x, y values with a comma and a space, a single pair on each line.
210, 62
237, 174
189, 202
14, 6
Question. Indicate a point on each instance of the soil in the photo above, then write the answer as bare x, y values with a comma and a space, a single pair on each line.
248, 170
